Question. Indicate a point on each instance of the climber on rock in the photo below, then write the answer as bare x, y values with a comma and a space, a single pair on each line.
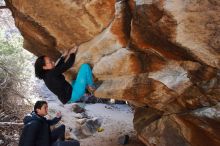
54, 79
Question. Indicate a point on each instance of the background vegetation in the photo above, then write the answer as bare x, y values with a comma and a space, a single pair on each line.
16, 68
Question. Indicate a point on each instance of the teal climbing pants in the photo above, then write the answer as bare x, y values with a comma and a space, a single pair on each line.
84, 78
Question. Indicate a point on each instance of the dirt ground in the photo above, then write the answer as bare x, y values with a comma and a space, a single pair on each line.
117, 120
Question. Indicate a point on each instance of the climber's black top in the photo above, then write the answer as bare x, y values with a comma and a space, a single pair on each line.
55, 80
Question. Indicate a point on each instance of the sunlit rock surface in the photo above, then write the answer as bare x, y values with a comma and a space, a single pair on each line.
162, 56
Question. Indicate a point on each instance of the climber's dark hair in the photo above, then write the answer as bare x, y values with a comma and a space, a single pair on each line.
39, 104
39, 71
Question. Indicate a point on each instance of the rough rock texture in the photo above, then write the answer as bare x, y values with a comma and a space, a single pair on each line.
162, 56
182, 129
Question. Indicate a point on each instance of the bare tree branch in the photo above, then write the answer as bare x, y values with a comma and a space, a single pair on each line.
10, 123
3, 7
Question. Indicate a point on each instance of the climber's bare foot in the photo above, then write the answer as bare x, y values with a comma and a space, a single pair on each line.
86, 94
91, 89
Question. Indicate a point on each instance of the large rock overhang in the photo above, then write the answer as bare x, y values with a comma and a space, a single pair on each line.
161, 54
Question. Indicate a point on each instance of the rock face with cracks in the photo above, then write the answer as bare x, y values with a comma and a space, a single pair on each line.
162, 56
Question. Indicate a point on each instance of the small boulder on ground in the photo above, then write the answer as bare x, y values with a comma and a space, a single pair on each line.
123, 139
87, 127
91, 126
77, 109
